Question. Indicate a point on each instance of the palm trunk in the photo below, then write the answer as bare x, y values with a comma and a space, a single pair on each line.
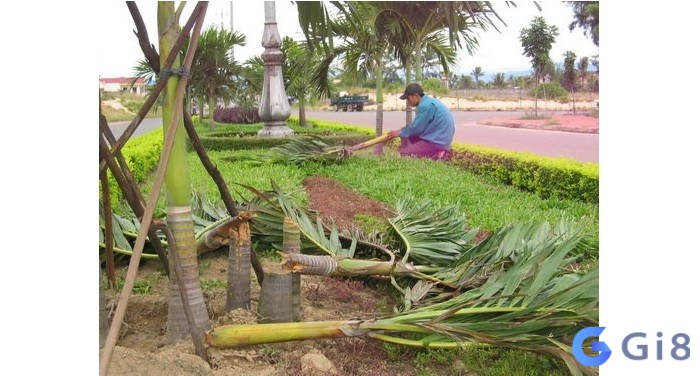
211, 111
409, 113
302, 112
275, 305
243, 335
291, 244
238, 290
178, 192
379, 79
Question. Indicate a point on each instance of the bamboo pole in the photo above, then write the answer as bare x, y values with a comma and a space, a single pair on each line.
109, 232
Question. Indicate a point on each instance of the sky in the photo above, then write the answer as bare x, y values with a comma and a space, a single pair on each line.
498, 52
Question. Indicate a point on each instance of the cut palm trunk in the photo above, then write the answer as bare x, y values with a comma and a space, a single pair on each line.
238, 291
540, 330
275, 304
291, 244
334, 266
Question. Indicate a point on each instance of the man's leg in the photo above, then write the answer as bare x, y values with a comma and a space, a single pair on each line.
418, 148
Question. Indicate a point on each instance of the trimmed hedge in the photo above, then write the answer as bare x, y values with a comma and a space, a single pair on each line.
141, 155
246, 142
547, 177
244, 137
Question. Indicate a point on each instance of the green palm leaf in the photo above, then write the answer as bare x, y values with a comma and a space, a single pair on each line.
299, 152
431, 236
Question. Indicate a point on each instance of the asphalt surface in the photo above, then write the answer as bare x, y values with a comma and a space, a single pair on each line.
579, 146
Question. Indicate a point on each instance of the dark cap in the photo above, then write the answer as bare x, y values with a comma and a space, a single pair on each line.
412, 89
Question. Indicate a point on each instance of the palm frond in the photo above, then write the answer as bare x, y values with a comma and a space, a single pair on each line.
299, 152
275, 205
519, 261
431, 236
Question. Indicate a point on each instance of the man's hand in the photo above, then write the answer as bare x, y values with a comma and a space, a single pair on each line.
394, 133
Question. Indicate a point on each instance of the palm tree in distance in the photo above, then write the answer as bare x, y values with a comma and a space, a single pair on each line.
409, 27
214, 70
477, 72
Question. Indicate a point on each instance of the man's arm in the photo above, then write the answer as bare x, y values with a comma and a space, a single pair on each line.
420, 122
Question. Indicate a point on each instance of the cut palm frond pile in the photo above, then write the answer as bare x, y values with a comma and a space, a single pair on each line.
515, 288
525, 299
312, 149
299, 152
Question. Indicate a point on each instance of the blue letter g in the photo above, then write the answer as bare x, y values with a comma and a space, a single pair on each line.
599, 346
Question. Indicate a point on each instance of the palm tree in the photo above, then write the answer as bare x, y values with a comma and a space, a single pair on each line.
367, 50
214, 71
439, 27
363, 48
477, 72
297, 70
178, 194
409, 28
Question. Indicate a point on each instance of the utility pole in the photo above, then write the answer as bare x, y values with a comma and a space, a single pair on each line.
231, 12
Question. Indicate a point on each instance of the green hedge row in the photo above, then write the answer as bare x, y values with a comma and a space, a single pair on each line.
244, 137
141, 155
547, 177
251, 141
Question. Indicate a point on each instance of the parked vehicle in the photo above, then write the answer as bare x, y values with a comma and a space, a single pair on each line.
350, 102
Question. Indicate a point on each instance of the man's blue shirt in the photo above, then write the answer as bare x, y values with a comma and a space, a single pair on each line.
433, 122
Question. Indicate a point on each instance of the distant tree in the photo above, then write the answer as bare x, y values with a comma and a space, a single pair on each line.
249, 85
569, 77
477, 72
297, 72
499, 80
463, 82
537, 41
585, 17
214, 71
583, 70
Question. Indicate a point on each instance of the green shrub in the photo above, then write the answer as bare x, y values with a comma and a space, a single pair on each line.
560, 178
141, 155
550, 90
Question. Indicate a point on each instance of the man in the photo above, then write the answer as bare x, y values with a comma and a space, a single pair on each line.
430, 133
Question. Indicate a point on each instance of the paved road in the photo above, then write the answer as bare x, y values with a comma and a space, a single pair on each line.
146, 126
579, 146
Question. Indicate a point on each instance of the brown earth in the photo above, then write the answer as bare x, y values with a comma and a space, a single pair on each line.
559, 122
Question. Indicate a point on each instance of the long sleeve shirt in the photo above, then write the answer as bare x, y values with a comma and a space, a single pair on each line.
433, 122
